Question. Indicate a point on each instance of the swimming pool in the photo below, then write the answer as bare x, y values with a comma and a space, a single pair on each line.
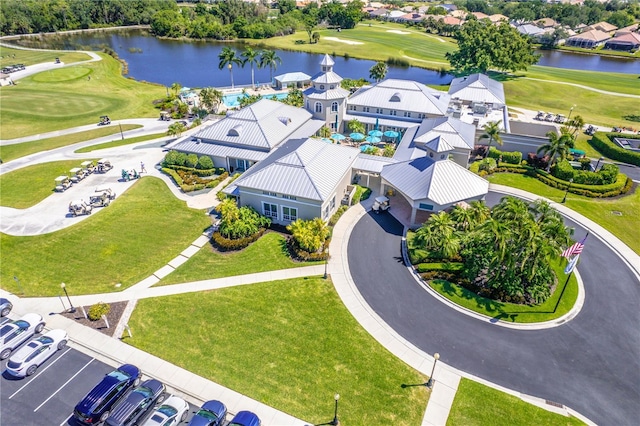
233, 100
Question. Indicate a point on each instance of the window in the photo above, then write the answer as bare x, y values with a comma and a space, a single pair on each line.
288, 197
366, 109
326, 212
322, 87
334, 107
333, 203
378, 110
270, 210
271, 194
425, 206
308, 107
318, 107
392, 112
289, 213
332, 87
352, 107
407, 114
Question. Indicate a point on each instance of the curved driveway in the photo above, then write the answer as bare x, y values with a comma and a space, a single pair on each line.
591, 364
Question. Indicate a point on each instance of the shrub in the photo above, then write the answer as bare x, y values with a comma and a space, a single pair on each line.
487, 165
309, 235
606, 146
336, 216
300, 254
565, 171
227, 244
514, 157
191, 161
98, 310
198, 172
362, 193
237, 223
205, 162
440, 266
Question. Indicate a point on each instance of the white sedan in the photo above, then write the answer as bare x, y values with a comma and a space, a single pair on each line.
27, 359
14, 333
173, 411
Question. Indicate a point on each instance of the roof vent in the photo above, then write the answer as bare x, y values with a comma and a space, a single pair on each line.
395, 97
235, 131
284, 120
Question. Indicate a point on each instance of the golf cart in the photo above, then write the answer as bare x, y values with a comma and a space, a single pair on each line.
129, 175
77, 174
104, 120
165, 116
88, 167
590, 130
101, 200
79, 207
108, 192
104, 166
62, 183
380, 203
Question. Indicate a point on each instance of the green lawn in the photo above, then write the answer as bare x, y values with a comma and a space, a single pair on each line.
28, 186
10, 56
290, 344
600, 210
511, 312
269, 253
119, 142
137, 234
479, 405
17, 150
65, 97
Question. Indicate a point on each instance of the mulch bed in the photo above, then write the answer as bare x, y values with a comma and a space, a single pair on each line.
117, 308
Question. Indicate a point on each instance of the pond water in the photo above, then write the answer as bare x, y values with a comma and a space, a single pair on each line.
581, 61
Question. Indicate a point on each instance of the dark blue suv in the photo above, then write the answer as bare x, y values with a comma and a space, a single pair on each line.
96, 406
137, 403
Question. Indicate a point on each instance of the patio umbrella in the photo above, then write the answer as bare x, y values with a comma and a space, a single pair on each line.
327, 140
375, 133
373, 139
337, 137
391, 134
357, 136
376, 128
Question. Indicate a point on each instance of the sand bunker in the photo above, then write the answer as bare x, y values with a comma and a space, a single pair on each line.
398, 32
342, 41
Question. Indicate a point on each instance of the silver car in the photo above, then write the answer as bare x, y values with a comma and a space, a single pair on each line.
26, 360
5, 307
14, 333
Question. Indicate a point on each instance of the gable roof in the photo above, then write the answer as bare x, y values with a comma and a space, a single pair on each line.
631, 39
477, 88
603, 26
401, 95
436, 134
529, 29
591, 35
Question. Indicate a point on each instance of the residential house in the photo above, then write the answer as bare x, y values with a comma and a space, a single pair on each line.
460, 14
625, 41
588, 39
480, 16
530, 30
603, 26
497, 18
545, 23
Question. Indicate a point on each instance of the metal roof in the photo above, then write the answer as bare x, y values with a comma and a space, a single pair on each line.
477, 88
456, 132
403, 95
262, 125
328, 77
292, 76
443, 182
371, 163
218, 150
398, 122
327, 61
337, 93
302, 168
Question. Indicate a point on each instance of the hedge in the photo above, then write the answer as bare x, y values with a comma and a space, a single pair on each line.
336, 216
509, 157
607, 175
440, 266
299, 254
188, 188
197, 172
604, 143
226, 244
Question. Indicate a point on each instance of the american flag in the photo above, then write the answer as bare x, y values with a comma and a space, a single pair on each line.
575, 248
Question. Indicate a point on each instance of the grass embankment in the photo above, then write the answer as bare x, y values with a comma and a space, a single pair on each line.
269, 253
119, 142
137, 234
10, 56
28, 186
17, 150
479, 405
65, 97
600, 210
290, 344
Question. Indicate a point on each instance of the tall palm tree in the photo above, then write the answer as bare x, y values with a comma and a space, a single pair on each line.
252, 57
439, 236
463, 218
210, 97
175, 88
576, 123
480, 212
269, 58
378, 71
355, 126
558, 147
492, 132
228, 57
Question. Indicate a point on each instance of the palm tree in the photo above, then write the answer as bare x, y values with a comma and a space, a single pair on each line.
325, 132
228, 57
463, 218
355, 126
210, 97
492, 132
175, 88
378, 71
558, 147
252, 58
480, 212
576, 123
269, 58
439, 236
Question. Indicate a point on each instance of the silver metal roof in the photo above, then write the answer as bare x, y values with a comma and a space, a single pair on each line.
337, 93
477, 88
262, 125
292, 76
398, 122
328, 77
403, 95
302, 168
443, 182
457, 133
371, 163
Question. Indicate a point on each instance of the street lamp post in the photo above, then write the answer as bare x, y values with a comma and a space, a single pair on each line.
230, 72
326, 261
436, 357
63, 286
570, 111
598, 163
568, 188
335, 421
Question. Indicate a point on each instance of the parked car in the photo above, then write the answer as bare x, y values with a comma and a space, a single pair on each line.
135, 405
245, 418
96, 406
5, 307
26, 360
212, 413
13, 334
173, 411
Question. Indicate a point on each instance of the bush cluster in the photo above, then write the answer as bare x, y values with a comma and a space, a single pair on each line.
453, 267
604, 143
189, 182
487, 165
227, 244
608, 174
199, 172
190, 161
337, 215
537, 162
302, 255
98, 310
362, 193
514, 157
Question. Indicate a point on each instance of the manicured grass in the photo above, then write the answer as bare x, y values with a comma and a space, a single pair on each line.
28, 186
66, 97
12, 56
511, 312
600, 210
119, 142
269, 253
479, 405
137, 234
17, 150
290, 344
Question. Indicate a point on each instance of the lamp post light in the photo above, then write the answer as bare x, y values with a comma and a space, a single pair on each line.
326, 261
598, 163
570, 111
430, 383
63, 286
230, 72
568, 188
335, 421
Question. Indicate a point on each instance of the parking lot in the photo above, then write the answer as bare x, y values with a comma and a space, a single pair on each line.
49, 396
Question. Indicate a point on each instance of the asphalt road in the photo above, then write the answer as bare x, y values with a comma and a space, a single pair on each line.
591, 364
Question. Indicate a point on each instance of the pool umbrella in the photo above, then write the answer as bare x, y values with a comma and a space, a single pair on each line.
376, 128
373, 139
375, 133
327, 140
337, 136
391, 134
357, 136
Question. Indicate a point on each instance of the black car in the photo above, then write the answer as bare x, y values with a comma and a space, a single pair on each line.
96, 406
137, 403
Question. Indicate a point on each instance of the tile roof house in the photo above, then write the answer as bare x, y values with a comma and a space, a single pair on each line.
603, 26
496, 18
625, 41
462, 14
480, 16
546, 23
588, 39
478, 88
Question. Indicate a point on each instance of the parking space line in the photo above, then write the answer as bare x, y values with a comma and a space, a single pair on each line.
66, 421
37, 375
65, 384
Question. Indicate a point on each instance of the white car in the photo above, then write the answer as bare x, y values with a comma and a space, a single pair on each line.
12, 334
26, 360
173, 411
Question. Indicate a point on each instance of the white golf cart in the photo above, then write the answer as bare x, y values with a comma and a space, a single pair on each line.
62, 183
381, 203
